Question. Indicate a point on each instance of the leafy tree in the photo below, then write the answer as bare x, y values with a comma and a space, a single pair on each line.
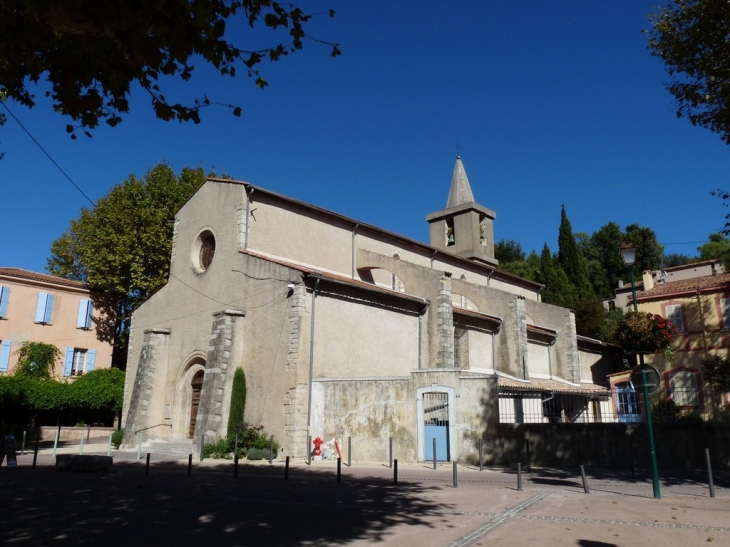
508, 251
36, 360
676, 259
649, 252
121, 248
101, 389
571, 258
238, 401
91, 52
590, 316
558, 289
607, 242
690, 37
718, 248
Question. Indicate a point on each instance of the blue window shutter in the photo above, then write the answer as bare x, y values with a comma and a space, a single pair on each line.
40, 310
4, 299
68, 361
4, 355
89, 313
49, 309
90, 360
86, 308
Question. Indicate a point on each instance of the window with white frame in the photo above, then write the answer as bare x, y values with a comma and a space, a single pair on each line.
78, 361
674, 316
684, 388
725, 313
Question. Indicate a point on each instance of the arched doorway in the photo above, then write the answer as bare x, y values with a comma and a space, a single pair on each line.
197, 387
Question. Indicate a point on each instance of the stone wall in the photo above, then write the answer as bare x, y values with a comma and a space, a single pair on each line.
618, 446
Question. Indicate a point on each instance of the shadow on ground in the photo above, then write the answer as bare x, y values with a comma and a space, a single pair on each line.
125, 507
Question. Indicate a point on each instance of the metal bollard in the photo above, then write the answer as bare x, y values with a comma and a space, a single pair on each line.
349, 451
202, 447
709, 473
147, 465
235, 465
529, 459
55, 444
395, 471
88, 433
81, 445
271, 449
109, 446
434, 453
585, 481
286, 469
139, 447
309, 450
481, 456
519, 477
22, 446
456, 479
235, 446
390, 449
190, 464
35, 450
339, 469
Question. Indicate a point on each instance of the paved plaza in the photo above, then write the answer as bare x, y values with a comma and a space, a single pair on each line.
126, 506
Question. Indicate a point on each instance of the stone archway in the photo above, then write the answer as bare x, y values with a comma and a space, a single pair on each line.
182, 413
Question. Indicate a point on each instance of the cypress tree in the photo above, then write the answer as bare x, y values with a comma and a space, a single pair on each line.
571, 258
558, 290
238, 401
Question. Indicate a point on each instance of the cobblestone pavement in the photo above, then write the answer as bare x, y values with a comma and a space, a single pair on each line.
42, 506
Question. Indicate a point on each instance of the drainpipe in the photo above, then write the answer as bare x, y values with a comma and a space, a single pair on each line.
420, 332
353, 248
550, 357
433, 255
494, 347
248, 219
311, 355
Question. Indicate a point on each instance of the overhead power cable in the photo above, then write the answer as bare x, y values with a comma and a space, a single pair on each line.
47, 154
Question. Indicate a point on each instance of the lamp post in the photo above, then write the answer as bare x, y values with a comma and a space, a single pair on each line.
628, 255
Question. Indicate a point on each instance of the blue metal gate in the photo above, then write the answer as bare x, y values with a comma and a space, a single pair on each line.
436, 425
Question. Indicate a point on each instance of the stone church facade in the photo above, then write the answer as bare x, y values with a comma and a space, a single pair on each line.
343, 329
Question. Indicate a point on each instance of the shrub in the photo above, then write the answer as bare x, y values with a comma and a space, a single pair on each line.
238, 401
259, 453
117, 437
249, 438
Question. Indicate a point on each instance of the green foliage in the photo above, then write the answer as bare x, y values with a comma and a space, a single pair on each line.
117, 438
93, 53
122, 246
716, 372
37, 359
690, 37
249, 437
101, 389
571, 259
666, 410
677, 259
642, 332
508, 251
260, 453
590, 316
649, 253
558, 290
238, 401
717, 248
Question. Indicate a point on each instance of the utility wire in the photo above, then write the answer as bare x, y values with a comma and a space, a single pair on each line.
47, 154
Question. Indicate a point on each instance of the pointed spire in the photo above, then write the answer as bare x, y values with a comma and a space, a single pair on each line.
460, 191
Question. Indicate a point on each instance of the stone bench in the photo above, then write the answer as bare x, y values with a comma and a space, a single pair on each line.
91, 464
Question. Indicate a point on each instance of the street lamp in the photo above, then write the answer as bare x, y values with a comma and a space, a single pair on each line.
628, 255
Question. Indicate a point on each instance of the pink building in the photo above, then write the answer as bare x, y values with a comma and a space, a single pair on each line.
37, 307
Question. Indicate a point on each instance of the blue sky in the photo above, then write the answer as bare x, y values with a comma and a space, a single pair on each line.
550, 103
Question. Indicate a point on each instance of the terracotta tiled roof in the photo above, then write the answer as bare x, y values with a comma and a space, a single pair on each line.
690, 265
553, 386
44, 278
707, 283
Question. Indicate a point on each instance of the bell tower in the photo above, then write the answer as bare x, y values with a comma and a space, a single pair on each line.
464, 228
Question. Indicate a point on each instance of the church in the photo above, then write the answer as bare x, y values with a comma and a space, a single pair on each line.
344, 329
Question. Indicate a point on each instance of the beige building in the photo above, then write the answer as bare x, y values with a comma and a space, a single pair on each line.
37, 307
344, 329
699, 307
